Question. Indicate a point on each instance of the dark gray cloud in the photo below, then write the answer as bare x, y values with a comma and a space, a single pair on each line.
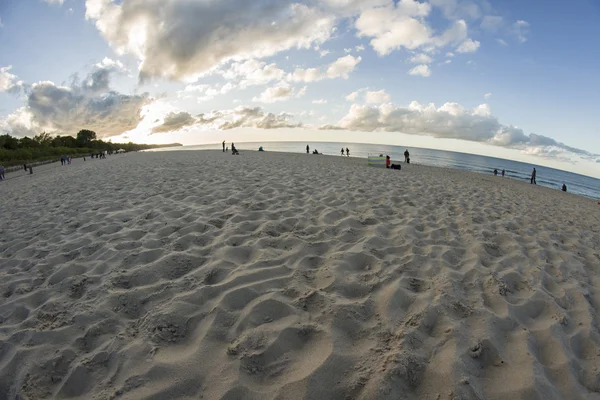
240, 117
175, 121
89, 104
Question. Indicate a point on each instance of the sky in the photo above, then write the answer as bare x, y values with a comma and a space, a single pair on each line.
512, 79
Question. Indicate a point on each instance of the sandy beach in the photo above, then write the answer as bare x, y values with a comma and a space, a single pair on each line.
197, 274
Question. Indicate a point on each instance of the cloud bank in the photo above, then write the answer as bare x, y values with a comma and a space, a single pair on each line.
450, 121
240, 117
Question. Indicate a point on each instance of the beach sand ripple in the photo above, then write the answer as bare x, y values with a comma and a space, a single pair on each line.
288, 276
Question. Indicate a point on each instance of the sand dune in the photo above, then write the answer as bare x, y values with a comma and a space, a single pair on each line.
288, 276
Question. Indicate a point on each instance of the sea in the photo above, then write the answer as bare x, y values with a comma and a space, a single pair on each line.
550, 177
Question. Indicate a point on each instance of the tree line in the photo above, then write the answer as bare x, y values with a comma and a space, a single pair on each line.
43, 147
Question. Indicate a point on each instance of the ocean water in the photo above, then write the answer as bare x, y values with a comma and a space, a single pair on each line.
550, 177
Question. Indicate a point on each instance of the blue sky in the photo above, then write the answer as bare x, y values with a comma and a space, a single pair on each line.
471, 75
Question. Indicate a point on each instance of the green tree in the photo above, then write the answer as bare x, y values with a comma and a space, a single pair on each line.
28, 143
8, 142
43, 139
84, 137
64, 141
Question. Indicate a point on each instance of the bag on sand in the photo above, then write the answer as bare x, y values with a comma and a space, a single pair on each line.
396, 166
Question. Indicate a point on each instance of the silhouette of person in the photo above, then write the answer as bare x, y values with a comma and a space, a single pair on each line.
503, 173
495, 172
564, 188
223, 146
533, 176
406, 155
347, 152
307, 149
342, 151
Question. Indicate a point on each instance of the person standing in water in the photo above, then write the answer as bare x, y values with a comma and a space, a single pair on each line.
533, 176
495, 172
347, 152
564, 188
503, 173
342, 151
307, 149
223, 146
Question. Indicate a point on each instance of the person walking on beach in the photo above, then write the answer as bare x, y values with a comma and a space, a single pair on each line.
307, 149
388, 161
223, 146
495, 172
503, 173
406, 155
342, 151
347, 152
533, 176
2, 177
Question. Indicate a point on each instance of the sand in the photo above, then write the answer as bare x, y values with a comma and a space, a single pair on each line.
289, 276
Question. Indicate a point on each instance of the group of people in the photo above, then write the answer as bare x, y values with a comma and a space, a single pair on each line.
97, 155
64, 160
347, 152
234, 151
532, 180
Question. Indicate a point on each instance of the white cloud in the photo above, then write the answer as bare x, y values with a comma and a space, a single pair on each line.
301, 92
450, 54
348, 50
320, 101
252, 73
59, 2
7, 80
468, 46
502, 42
520, 30
182, 39
340, 68
403, 26
492, 23
487, 96
454, 9
306, 75
323, 53
446, 62
109, 63
421, 59
245, 117
354, 95
377, 97
280, 92
420, 70
359, 48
